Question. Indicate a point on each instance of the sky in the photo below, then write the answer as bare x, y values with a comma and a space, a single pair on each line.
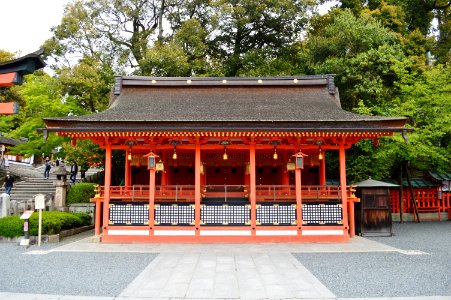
26, 24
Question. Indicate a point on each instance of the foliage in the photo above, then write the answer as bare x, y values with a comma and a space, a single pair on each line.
424, 100
52, 223
84, 152
88, 82
6, 56
84, 217
247, 25
42, 98
167, 60
55, 221
11, 226
367, 58
117, 31
120, 32
81, 193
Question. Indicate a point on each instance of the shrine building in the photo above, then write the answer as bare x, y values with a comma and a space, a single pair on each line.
225, 159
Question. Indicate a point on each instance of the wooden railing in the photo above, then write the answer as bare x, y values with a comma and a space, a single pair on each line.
141, 192
276, 205
308, 192
225, 191
263, 192
426, 198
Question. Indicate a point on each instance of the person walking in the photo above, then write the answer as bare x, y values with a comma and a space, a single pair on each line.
48, 166
73, 171
8, 184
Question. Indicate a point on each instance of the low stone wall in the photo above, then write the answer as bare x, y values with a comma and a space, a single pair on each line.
88, 208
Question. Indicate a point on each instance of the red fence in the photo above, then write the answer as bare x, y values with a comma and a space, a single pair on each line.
425, 197
263, 192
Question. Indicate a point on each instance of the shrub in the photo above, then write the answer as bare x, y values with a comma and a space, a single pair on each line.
52, 223
85, 218
81, 193
11, 226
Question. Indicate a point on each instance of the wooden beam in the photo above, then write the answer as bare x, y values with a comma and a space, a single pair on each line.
9, 79
9, 108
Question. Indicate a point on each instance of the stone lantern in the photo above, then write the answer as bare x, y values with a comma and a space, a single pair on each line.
60, 188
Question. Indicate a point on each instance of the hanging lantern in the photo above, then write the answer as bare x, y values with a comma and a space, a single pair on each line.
225, 156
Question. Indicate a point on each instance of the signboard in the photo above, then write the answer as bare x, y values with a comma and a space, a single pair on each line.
27, 214
291, 166
446, 186
39, 201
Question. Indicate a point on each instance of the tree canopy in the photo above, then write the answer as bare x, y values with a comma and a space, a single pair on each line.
390, 57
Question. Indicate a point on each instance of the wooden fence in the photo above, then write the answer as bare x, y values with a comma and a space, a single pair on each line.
427, 198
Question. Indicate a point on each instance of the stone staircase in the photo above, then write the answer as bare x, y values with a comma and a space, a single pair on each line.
23, 194
31, 183
27, 190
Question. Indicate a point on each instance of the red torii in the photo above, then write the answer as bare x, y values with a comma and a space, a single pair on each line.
12, 72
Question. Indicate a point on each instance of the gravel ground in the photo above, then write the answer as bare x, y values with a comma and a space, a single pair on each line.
68, 273
390, 274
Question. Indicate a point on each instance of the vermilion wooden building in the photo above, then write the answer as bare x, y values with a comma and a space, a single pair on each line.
224, 159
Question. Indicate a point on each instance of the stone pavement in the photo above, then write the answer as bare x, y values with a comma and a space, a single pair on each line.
220, 271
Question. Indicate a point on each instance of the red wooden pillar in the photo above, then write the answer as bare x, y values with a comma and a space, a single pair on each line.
197, 197
253, 188
344, 196
128, 172
97, 218
152, 173
106, 201
297, 180
322, 170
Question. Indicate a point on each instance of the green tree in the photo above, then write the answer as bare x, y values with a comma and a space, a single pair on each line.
424, 100
116, 32
6, 56
366, 58
89, 83
245, 26
84, 152
167, 59
42, 98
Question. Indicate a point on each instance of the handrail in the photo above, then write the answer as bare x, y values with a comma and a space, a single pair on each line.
263, 192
